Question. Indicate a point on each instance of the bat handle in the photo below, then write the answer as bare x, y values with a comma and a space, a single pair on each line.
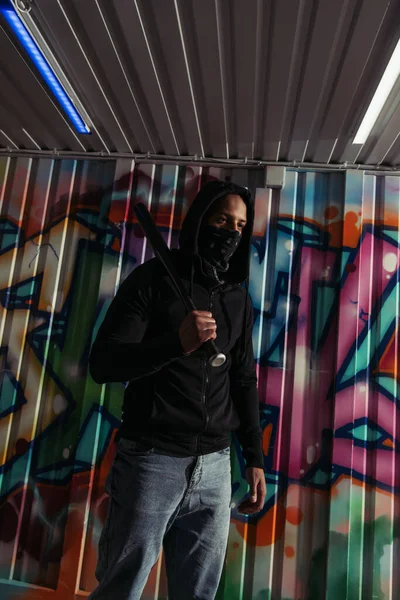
216, 357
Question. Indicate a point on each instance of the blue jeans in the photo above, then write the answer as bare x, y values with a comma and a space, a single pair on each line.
181, 504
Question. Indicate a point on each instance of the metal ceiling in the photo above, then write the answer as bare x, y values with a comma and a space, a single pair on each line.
271, 80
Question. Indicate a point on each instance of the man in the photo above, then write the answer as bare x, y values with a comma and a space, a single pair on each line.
170, 482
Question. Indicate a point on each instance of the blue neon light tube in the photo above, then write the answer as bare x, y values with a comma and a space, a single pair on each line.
43, 67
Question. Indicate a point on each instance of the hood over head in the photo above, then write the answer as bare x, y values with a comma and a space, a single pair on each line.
211, 192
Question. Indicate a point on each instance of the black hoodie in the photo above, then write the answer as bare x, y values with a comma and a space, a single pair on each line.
179, 404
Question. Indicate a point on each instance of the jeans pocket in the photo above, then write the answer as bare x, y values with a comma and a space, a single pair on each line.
131, 460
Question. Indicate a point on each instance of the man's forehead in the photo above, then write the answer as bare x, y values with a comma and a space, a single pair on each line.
230, 203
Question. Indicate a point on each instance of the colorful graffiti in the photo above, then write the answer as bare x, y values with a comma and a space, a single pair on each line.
325, 277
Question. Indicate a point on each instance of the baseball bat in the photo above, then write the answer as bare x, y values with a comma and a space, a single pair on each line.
162, 252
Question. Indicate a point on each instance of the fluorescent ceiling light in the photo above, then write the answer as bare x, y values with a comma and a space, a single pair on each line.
384, 88
43, 66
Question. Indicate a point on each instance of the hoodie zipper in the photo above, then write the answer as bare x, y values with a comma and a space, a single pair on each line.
206, 386
204, 403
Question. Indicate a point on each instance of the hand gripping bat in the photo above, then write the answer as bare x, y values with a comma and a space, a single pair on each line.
163, 253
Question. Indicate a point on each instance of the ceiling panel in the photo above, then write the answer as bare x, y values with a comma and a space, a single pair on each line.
171, 59
285, 80
324, 34
285, 17
207, 64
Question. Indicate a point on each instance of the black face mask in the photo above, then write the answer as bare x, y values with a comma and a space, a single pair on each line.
217, 246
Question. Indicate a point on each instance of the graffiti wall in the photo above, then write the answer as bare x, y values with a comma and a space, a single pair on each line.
325, 284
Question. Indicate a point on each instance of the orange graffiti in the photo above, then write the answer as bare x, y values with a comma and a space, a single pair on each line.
289, 551
334, 491
267, 438
389, 362
343, 232
331, 212
389, 443
269, 528
351, 233
294, 515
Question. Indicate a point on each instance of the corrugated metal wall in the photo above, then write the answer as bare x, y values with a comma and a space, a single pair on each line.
325, 286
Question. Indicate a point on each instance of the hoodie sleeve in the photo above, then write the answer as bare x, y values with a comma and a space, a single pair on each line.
121, 352
244, 393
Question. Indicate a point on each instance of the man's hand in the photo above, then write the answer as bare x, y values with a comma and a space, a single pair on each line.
258, 490
196, 328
